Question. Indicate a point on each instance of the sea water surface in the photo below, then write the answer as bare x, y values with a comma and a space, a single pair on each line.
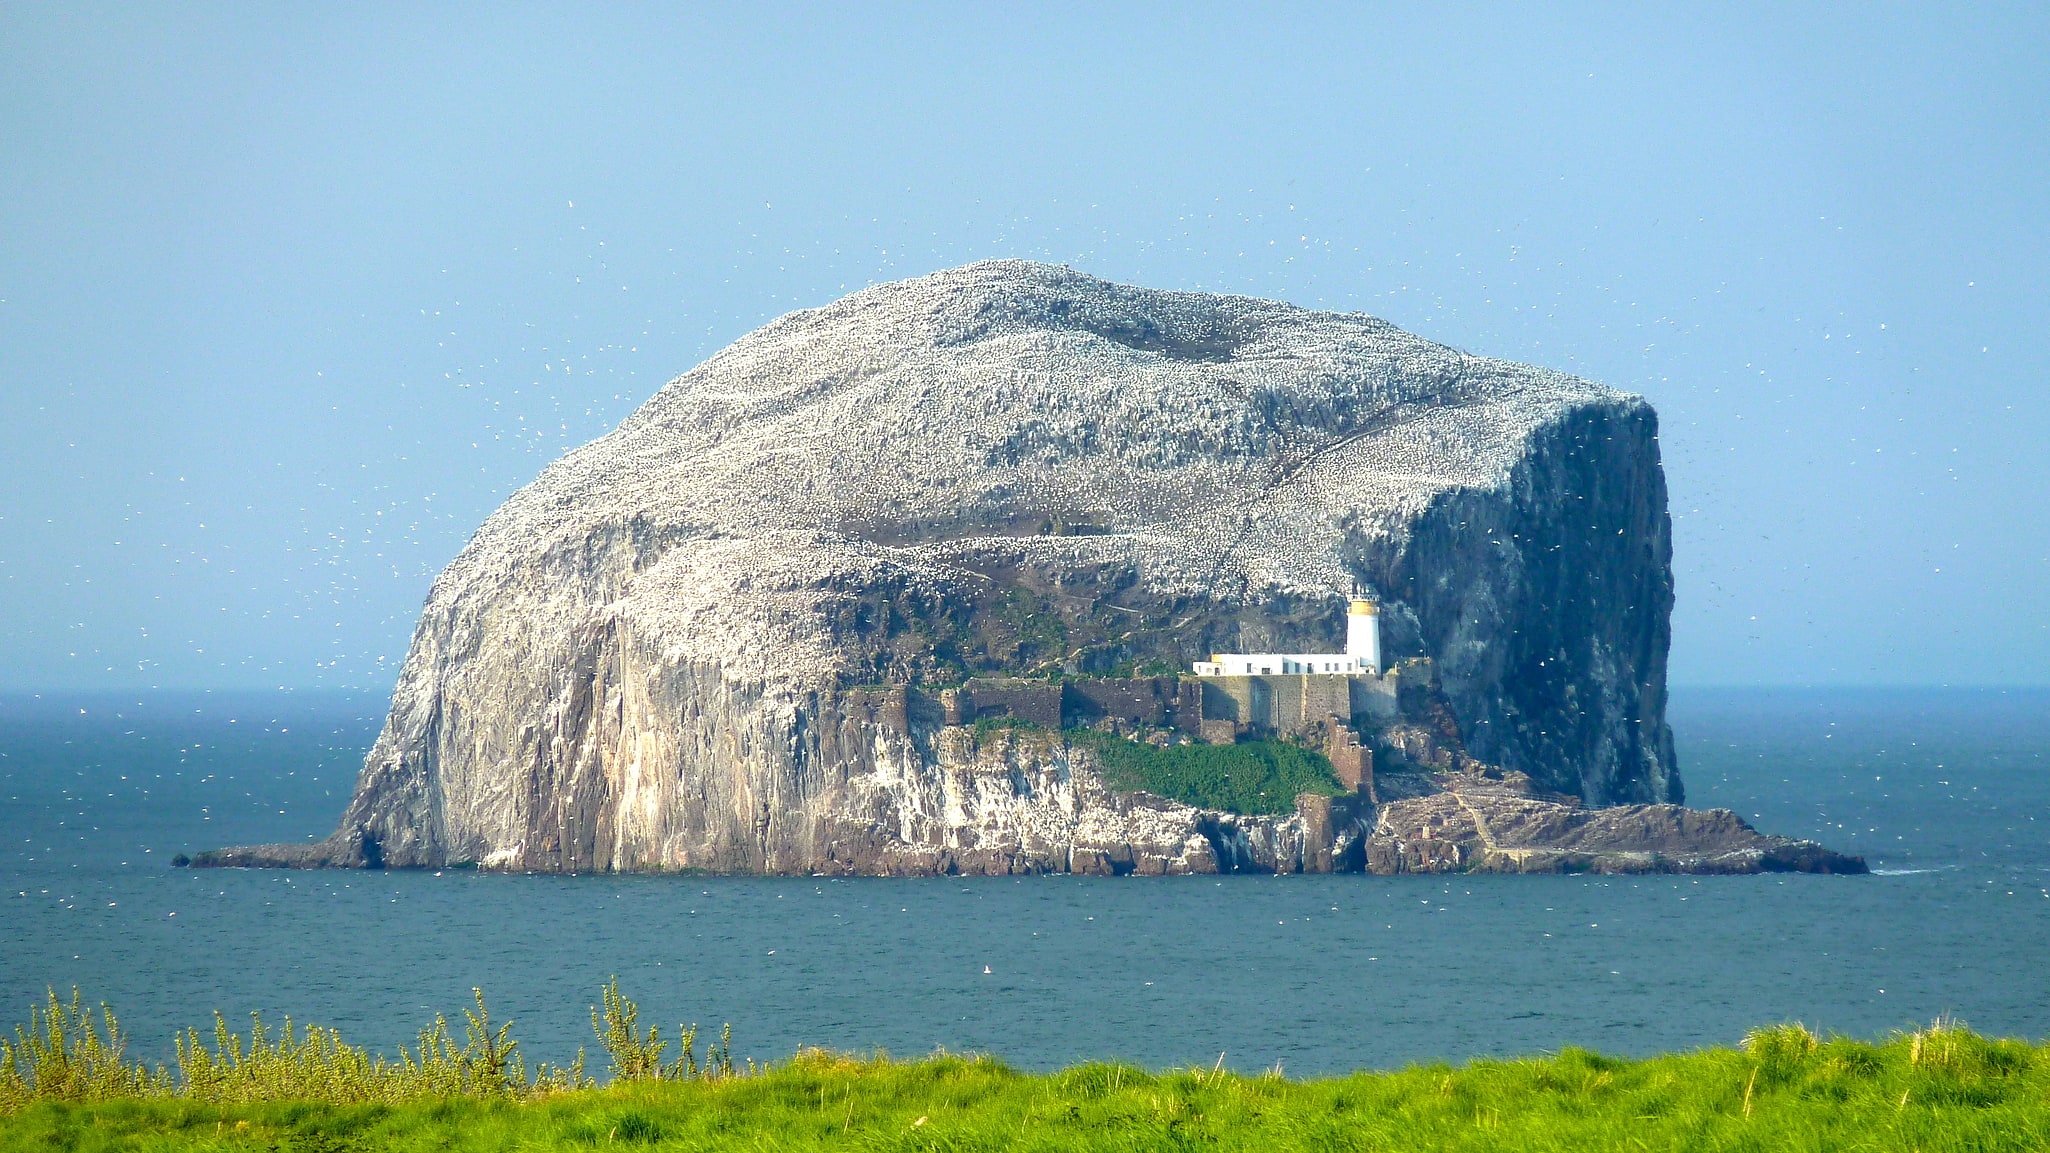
1947, 793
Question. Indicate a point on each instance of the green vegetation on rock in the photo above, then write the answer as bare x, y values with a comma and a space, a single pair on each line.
1040, 637
64, 1086
1249, 777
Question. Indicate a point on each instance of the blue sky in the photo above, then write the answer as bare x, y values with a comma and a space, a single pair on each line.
291, 298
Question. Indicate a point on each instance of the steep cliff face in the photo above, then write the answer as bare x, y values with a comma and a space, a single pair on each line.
1547, 603
645, 659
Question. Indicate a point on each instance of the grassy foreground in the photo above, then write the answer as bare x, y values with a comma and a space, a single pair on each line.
1936, 1089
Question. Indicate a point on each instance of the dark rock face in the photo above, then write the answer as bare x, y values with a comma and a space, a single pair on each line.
1548, 608
652, 657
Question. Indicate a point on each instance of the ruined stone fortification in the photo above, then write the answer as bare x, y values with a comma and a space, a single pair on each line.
647, 658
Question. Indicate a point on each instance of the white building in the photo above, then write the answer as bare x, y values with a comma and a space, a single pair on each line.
1362, 653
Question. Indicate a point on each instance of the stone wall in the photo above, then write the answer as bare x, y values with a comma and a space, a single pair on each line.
1035, 702
1296, 704
1147, 701
1377, 700
1352, 762
1217, 710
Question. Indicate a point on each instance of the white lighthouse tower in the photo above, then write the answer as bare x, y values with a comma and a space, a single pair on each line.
1363, 633
1362, 655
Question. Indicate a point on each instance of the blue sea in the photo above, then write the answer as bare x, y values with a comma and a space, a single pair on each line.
1946, 793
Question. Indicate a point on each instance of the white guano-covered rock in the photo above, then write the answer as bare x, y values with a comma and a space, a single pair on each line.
649, 657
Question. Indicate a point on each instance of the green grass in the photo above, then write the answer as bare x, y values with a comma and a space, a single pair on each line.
1248, 777
1938, 1089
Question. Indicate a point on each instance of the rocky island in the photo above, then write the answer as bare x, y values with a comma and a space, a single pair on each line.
913, 584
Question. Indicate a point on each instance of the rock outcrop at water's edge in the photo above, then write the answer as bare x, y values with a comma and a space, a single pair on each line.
652, 657
1477, 823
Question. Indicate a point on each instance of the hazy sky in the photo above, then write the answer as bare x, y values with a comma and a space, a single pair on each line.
291, 298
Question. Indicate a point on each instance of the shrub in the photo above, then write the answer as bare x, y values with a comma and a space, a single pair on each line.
638, 1057
62, 1054
66, 1053
317, 1065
